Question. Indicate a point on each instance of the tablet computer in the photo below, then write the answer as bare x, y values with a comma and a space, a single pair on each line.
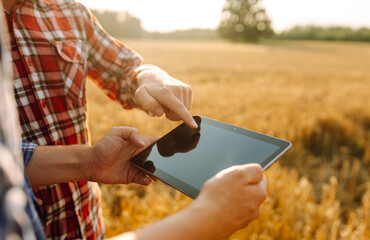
186, 158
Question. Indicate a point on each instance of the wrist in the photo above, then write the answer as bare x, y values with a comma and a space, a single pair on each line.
58, 164
204, 213
88, 160
147, 72
78, 164
194, 222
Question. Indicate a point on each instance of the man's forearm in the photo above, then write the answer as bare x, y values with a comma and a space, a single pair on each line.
194, 222
58, 164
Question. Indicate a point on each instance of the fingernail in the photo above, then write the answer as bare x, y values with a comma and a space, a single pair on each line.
146, 181
194, 124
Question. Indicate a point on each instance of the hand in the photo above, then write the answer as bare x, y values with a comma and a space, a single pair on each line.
110, 161
227, 202
158, 93
232, 198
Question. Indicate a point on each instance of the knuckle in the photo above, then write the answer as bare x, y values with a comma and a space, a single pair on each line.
177, 90
166, 89
190, 90
257, 168
237, 173
258, 171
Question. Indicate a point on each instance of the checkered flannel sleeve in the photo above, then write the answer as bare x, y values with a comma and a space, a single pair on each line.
111, 64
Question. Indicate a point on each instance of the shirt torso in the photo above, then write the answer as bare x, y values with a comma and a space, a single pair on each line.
17, 210
55, 44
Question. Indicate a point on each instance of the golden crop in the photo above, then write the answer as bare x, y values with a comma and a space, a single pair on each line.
315, 94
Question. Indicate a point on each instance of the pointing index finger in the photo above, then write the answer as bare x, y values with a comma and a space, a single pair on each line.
179, 108
173, 104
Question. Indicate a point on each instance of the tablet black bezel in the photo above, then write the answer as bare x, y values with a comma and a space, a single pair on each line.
192, 191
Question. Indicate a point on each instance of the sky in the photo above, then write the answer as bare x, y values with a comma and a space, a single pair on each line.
169, 15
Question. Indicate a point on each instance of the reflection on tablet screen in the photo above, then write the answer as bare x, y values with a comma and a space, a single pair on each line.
188, 157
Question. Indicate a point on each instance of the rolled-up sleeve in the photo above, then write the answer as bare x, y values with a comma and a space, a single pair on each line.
32, 208
27, 151
111, 64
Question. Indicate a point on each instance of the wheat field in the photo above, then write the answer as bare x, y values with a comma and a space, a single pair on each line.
314, 94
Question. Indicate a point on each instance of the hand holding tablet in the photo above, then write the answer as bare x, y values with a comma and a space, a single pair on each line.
186, 158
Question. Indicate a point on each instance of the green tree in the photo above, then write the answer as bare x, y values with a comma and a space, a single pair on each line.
244, 21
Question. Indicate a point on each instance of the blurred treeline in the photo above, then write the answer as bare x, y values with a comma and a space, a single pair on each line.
125, 25
325, 33
119, 24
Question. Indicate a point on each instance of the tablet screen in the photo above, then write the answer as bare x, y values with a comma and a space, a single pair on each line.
186, 158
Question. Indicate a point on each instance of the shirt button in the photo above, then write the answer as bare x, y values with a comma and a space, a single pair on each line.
59, 143
43, 103
78, 57
30, 63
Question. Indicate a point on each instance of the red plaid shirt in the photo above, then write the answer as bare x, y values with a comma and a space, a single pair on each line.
55, 45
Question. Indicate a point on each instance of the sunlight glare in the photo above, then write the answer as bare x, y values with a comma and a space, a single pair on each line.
167, 15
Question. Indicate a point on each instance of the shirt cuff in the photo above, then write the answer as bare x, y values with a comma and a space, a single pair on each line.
27, 151
33, 208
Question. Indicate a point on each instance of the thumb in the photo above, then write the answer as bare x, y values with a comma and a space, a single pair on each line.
131, 134
149, 140
142, 179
